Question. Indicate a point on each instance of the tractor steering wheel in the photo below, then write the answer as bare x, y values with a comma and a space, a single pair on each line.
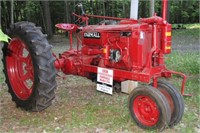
82, 19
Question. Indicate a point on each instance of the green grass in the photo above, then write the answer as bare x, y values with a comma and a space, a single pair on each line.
186, 62
2, 79
189, 36
194, 33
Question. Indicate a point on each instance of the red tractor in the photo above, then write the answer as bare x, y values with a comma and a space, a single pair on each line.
109, 53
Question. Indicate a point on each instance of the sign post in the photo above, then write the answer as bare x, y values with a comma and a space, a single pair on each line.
134, 9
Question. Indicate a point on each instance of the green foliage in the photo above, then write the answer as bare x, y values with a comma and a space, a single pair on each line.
179, 12
33, 12
3, 37
193, 26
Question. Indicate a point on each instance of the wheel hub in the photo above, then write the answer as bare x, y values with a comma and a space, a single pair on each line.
20, 69
146, 110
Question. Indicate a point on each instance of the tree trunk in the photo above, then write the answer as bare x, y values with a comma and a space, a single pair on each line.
47, 17
143, 9
104, 9
152, 5
42, 16
12, 11
67, 11
0, 14
113, 8
198, 17
127, 10
124, 9
168, 9
180, 12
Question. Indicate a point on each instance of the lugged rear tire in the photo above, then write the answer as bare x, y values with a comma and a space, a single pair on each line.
29, 67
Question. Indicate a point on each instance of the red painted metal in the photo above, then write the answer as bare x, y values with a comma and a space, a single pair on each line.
141, 47
166, 38
68, 28
152, 20
183, 82
85, 18
107, 17
155, 82
146, 110
164, 9
20, 69
82, 18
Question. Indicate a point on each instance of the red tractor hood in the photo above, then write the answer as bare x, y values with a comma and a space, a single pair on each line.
99, 34
99, 28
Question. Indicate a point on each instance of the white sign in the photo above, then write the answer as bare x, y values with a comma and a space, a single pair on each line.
104, 88
105, 80
105, 76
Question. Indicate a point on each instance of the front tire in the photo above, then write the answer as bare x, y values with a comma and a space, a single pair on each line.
174, 99
149, 108
29, 67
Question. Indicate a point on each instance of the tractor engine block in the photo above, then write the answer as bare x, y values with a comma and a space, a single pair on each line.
119, 46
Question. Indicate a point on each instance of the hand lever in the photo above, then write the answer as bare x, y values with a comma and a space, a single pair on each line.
81, 6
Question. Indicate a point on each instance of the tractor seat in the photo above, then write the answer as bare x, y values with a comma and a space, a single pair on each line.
67, 27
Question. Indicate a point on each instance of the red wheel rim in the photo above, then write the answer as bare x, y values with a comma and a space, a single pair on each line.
146, 110
20, 69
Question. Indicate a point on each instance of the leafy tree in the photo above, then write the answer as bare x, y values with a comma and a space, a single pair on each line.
48, 13
33, 11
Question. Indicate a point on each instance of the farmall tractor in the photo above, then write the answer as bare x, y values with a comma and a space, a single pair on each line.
108, 53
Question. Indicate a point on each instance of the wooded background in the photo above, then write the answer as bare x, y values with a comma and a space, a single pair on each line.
48, 13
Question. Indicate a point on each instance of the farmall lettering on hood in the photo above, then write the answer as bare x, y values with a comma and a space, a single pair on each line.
92, 35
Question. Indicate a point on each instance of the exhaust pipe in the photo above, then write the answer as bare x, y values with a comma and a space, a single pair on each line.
164, 9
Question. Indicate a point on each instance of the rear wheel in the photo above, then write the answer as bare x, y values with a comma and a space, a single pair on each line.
174, 99
149, 108
29, 67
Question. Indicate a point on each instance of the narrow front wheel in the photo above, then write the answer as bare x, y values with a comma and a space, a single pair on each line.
174, 99
149, 108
